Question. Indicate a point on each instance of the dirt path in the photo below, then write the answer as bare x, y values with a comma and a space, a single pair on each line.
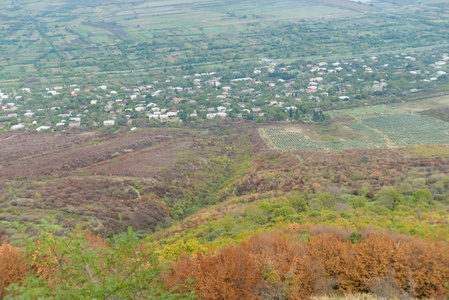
390, 143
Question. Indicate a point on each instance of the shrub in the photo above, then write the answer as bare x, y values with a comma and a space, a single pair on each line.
79, 265
12, 267
284, 212
422, 196
302, 264
298, 203
355, 237
357, 202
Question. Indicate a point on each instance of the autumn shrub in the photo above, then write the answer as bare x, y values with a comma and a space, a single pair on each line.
231, 274
12, 267
285, 265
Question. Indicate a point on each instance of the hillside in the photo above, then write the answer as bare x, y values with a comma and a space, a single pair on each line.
110, 181
212, 149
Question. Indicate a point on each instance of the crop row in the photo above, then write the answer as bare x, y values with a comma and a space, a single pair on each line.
294, 141
408, 130
402, 130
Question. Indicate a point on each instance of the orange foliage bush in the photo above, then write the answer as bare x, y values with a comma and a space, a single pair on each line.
277, 266
12, 267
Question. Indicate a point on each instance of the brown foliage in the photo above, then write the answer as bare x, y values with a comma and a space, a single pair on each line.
12, 267
269, 266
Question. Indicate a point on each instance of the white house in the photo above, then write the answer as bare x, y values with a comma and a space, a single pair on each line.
43, 128
17, 127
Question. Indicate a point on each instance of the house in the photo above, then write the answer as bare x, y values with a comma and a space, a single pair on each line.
43, 128
379, 86
241, 79
75, 124
213, 115
109, 123
17, 127
172, 113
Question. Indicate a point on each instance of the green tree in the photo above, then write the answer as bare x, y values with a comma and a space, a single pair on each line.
392, 199
357, 202
298, 203
421, 195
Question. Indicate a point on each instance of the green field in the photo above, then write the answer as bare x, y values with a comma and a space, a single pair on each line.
42, 30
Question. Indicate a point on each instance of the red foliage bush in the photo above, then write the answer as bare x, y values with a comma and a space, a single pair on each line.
272, 266
12, 267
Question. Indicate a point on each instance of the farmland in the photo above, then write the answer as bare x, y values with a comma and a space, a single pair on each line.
216, 149
391, 131
54, 40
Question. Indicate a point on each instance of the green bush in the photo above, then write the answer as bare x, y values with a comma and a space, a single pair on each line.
82, 266
298, 203
422, 196
284, 212
357, 202
355, 237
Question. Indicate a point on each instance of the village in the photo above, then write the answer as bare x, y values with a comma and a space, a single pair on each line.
260, 90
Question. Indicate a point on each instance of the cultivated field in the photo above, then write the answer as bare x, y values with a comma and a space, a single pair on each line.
383, 131
44, 39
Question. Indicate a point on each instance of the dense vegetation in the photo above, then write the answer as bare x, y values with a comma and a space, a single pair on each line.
260, 150
214, 190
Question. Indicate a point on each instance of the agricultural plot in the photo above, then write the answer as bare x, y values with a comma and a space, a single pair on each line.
409, 130
377, 132
296, 141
